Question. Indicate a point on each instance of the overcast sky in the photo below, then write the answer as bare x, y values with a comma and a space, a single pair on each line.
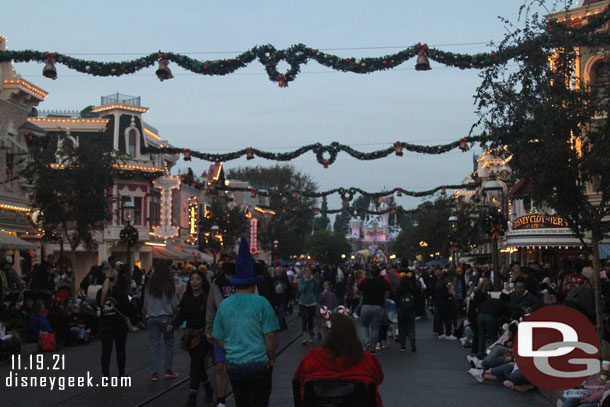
219, 114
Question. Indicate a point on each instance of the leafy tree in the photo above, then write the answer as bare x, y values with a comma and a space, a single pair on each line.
294, 213
554, 123
321, 222
72, 199
341, 224
327, 247
432, 231
231, 222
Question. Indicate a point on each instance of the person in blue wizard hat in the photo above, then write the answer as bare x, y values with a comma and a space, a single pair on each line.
245, 327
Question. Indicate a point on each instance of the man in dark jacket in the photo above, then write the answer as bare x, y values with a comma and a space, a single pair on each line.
487, 320
521, 299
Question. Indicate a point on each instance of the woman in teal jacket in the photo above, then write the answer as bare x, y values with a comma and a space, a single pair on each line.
307, 303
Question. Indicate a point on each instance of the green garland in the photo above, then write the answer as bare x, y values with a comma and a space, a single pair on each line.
300, 54
325, 154
129, 235
350, 209
347, 194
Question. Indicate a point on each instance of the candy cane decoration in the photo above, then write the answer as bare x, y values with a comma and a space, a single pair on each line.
342, 310
325, 313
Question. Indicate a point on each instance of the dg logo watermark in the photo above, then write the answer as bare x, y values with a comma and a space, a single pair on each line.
556, 348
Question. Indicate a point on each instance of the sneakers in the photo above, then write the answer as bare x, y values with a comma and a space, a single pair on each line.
451, 338
402, 349
413, 347
509, 385
355, 316
378, 347
304, 341
384, 344
155, 377
170, 374
442, 337
474, 361
477, 374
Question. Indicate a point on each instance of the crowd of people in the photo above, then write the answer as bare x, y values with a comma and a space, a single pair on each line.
229, 314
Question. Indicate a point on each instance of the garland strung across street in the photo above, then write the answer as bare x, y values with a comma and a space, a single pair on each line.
347, 194
300, 54
349, 209
325, 154
268, 56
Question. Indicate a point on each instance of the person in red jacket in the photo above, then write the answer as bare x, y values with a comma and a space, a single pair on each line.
340, 357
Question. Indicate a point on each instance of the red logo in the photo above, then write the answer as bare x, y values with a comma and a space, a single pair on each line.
556, 348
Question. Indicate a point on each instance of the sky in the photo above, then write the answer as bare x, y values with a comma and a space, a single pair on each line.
221, 114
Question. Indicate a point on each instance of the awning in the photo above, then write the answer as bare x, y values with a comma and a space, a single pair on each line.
197, 254
10, 242
521, 189
168, 253
604, 251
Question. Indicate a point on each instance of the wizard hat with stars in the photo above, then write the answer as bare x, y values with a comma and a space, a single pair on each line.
244, 275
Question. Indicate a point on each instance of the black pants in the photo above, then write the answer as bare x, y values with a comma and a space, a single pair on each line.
307, 313
406, 328
252, 392
445, 319
198, 370
118, 334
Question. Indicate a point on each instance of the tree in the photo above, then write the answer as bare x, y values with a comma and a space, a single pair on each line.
341, 224
555, 123
327, 247
72, 197
321, 222
292, 222
430, 235
231, 222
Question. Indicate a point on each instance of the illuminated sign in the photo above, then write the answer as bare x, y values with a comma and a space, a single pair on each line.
253, 235
193, 218
166, 184
539, 221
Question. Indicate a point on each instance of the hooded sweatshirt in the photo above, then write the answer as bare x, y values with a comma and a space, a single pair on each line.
319, 363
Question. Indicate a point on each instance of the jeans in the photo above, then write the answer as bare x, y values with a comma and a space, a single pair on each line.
487, 328
254, 391
307, 313
280, 311
116, 333
436, 322
157, 326
406, 328
371, 316
575, 402
358, 308
503, 372
490, 363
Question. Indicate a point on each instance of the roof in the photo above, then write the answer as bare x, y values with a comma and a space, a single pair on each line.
587, 2
27, 125
10, 242
522, 188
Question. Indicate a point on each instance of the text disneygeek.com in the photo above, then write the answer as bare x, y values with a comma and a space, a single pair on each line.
17, 380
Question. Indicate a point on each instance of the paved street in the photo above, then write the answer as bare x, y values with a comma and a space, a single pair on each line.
435, 376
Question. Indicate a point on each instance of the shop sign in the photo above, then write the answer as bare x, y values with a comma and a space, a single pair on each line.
539, 221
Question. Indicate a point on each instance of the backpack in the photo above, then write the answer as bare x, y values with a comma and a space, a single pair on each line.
406, 304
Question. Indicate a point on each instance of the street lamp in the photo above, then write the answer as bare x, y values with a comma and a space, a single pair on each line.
494, 189
129, 234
